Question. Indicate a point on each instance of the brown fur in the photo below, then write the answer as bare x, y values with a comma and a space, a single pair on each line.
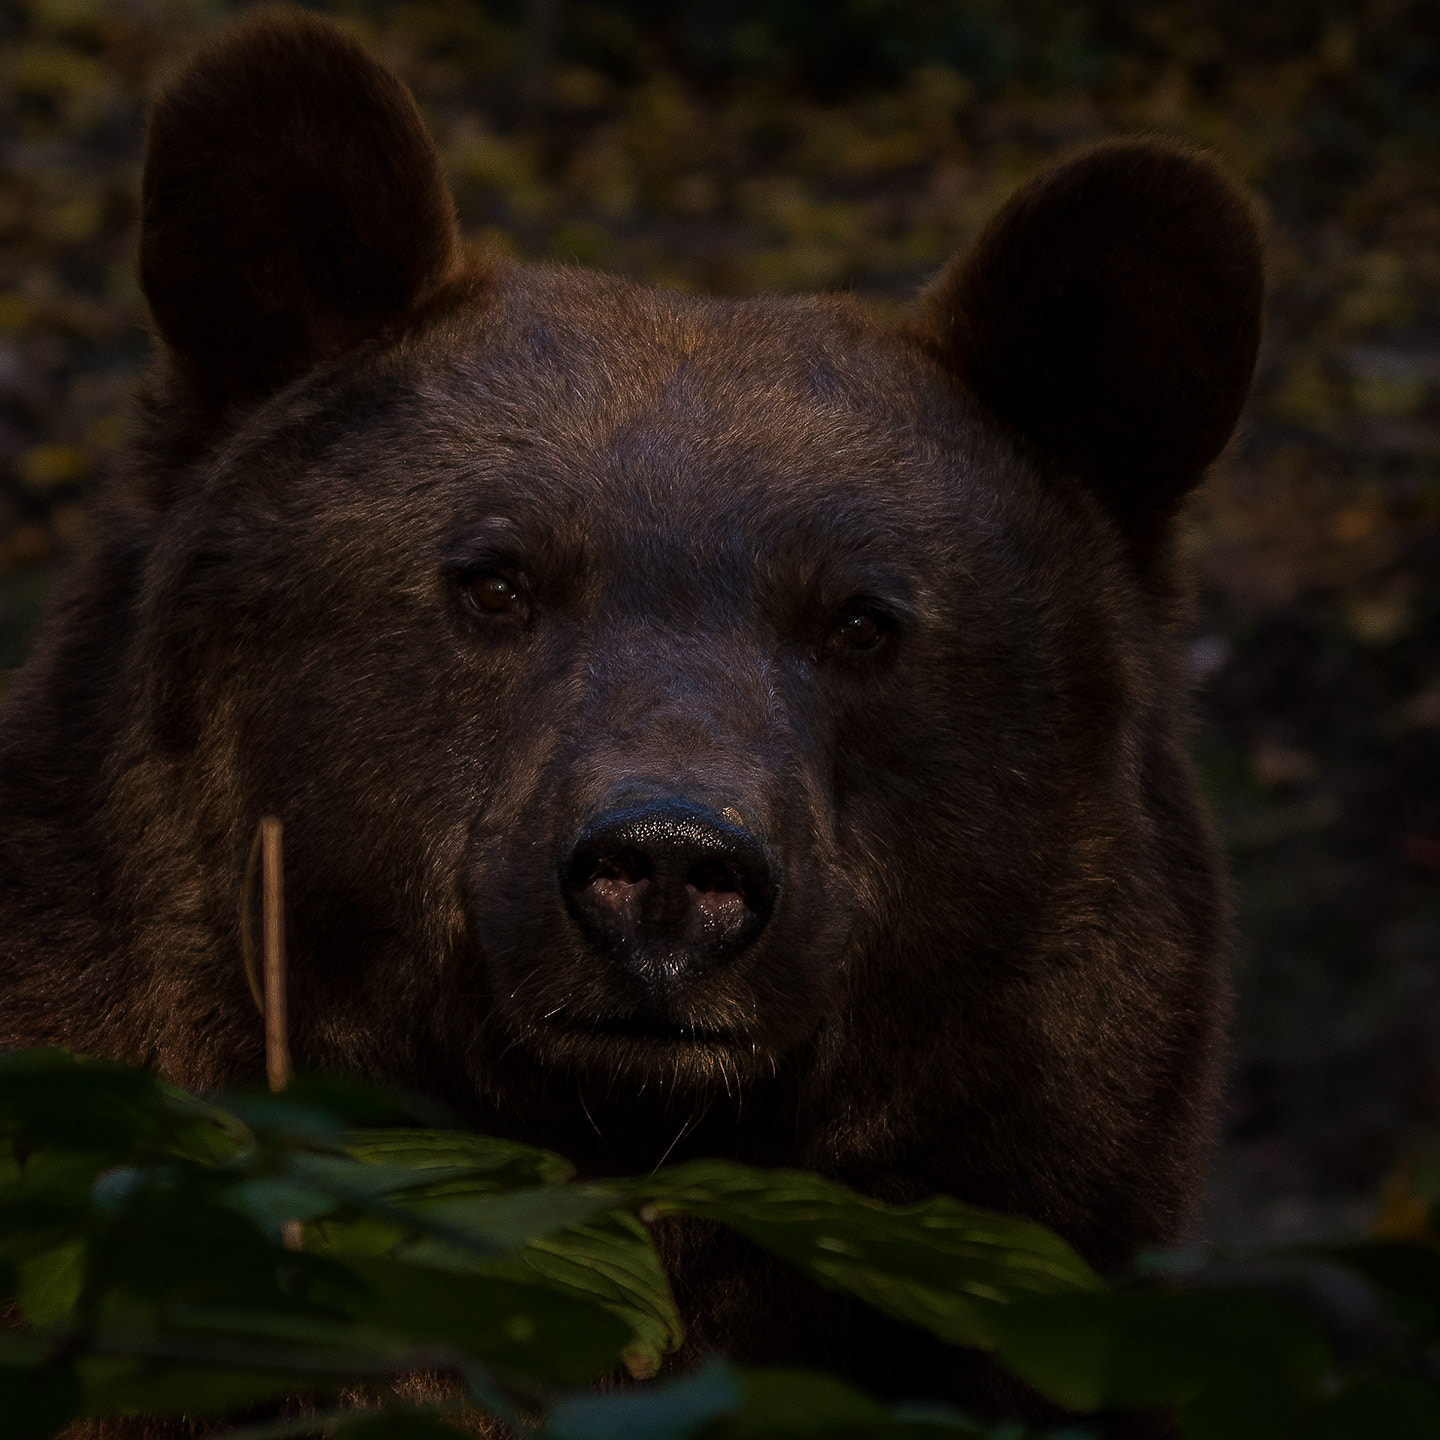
991, 968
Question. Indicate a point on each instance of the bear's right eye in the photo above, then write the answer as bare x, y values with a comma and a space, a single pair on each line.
859, 632
492, 594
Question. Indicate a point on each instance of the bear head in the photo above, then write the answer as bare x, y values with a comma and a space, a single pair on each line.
668, 700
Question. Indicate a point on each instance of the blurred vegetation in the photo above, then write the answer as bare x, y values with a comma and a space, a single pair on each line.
166, 1255
746, 145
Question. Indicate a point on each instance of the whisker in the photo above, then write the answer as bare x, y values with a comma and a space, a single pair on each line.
586, 1110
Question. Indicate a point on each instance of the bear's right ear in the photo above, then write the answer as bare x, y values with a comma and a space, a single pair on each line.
1110, 314
293, 207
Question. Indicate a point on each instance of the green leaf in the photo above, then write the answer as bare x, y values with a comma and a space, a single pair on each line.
312, 1185
496, 1224
608, 1259
50, 1097
508, 1165
214, 1137
35, 1403
124, 1385
270, 1200
49, 1284
288, 1121
1237, 1365
360, 1235
398, 1319
723, 1403
1392, 1407
940, 1265
420, 1422
803, 1403
929, 1422
370, 1103
1409, 1274
172, 1241
398, 1425
669, 1410
530, 1332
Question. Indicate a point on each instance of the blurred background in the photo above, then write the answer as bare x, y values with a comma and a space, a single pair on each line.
738, 146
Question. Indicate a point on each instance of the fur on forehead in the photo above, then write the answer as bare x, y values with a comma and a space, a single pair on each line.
584, 340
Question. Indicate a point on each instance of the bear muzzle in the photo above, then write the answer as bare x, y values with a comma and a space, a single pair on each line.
668, 890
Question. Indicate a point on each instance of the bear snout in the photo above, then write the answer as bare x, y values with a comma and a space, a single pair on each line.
669, 889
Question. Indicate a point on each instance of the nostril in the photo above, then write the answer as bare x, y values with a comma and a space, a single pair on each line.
712, 877
615, 884
629, 867
718, 897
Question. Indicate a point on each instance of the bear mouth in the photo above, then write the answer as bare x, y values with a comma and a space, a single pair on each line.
655, 1032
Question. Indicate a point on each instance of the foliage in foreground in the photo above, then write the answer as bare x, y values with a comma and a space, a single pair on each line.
142, 1238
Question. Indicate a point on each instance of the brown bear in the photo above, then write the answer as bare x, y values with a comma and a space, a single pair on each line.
734, 727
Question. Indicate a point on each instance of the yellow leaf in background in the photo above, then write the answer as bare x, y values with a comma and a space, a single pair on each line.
1403, 1215
936, 94
664, 129
15, 313
46, 466
107, 432
72, 221
1354, 523
1380, 293
1337, 48
577, 87
61, 16
480, 159
1389, 398
76, 84
1379, 619
581, 242
1306, 393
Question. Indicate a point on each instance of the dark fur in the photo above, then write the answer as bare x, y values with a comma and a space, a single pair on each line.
992, 966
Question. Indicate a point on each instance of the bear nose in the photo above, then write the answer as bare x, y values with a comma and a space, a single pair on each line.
668, 887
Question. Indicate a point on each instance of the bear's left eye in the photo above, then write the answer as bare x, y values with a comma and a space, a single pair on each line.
858, 632
492, 594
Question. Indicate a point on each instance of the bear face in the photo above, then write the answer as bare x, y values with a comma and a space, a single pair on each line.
744, 727
782, 610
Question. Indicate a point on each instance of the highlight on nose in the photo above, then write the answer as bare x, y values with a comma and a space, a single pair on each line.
668, 884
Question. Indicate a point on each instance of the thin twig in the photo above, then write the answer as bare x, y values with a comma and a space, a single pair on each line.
272, 912
270, 845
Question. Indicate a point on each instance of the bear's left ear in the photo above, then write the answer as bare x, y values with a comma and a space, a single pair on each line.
1111, 314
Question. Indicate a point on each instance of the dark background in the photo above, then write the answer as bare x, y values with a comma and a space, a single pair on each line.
736, 146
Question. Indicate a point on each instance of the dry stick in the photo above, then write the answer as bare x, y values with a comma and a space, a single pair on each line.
272, 915
269, 849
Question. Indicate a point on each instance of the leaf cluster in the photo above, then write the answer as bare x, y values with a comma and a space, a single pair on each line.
143, 1245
